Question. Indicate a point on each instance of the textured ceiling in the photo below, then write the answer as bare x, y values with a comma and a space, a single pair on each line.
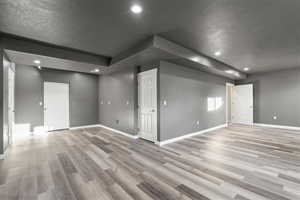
263, 35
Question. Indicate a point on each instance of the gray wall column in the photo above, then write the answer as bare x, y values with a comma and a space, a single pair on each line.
186, 92
118, 100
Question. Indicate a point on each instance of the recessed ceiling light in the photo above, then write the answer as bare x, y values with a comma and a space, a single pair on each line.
217, 53
246, 69
237, 74
95, 70
136, 9
37, 62
233, 72
195, 59
229, 71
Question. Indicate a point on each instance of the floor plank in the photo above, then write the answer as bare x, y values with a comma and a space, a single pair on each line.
237, 162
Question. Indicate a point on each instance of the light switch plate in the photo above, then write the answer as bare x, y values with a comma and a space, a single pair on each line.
165, 103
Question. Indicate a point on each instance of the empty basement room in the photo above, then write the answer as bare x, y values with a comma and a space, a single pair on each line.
150, 100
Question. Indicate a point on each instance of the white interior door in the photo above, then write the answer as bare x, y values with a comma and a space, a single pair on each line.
11, 103
56, 105
147, 102
242, 104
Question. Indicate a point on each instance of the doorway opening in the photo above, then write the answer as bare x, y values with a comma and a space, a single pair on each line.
11, 102
239, 104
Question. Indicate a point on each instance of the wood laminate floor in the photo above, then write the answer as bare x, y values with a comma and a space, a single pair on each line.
237, 162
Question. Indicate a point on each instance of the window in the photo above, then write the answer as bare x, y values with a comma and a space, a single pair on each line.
211, 104
214, 103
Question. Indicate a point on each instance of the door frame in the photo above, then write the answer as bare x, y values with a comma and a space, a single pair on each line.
11, 113
69, 116
155, 72
228, 101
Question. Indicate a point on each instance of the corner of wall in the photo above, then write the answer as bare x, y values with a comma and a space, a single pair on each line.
1, 97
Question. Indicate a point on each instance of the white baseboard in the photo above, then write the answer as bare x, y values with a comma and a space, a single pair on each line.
40, 130
106, 127
191, 135
120, 132
22, 129
278, 126
82, 127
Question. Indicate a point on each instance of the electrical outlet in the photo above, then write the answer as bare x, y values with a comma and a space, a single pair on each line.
198, 122
108, 102
127, 102
274, 117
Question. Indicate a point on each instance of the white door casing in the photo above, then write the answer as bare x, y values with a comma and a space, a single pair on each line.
11, 102
56, 105
242, 104
229, 87
147, 105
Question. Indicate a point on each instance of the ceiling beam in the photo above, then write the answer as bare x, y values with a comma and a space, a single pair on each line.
25, 45
157, 48
151, 50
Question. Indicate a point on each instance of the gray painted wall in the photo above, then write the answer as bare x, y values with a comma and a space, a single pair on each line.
28, 95
83, 95
115, 90
276, 94
186, 92
29, 92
